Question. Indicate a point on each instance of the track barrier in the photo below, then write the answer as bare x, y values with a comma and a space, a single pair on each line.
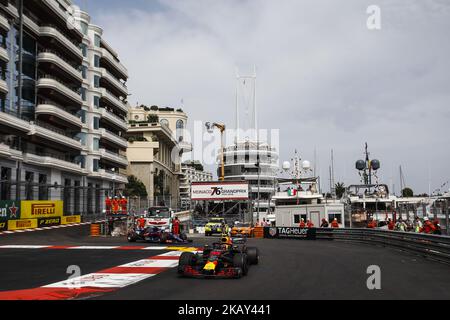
435, 247
95, 229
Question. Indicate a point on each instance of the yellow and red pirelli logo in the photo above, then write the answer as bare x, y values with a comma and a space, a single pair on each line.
41, 209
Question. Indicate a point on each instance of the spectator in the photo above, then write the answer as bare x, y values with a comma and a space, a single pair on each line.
309, 224
302, 223
400, 225
335, 223
417, 225
391, 224
324, 223
428, 226
437, 226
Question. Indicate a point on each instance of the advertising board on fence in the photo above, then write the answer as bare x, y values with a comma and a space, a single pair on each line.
70, 219
41, 209
218, 191
9, 210
22, 224
290, 233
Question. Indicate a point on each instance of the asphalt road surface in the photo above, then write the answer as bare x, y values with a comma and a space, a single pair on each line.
288, 269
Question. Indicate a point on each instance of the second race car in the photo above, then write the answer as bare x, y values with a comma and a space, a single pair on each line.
155, 234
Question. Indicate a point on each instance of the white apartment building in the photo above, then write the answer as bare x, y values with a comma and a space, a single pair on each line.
192, 171
61, 138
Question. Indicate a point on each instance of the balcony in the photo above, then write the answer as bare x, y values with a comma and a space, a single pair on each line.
10, 153
3, 86
52, 32
4, 24
262, 189
114, 138
49, 83
114, 157
46, 131
52, 161
51, 57
108, 175
11, 120
116, 102
56, 111
111, 117
4, 56
122, 88
113, 61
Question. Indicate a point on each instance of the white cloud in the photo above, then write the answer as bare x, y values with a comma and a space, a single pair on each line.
323, 78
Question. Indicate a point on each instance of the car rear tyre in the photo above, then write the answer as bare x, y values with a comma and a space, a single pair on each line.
252, 255
186, 259
183, 237
240, 261
130, 238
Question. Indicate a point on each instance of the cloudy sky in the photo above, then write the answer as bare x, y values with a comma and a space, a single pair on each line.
324, 79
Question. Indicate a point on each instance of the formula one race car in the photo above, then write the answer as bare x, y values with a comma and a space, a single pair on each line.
226, 259
155, 234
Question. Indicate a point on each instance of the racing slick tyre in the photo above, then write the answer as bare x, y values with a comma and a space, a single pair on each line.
186, 259
163, 238
131, 238
240, 261
207, 234
183, 237
252, 255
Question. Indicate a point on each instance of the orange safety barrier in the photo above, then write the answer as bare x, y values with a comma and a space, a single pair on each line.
258, 232
95, 229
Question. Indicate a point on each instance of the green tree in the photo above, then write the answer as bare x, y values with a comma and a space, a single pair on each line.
152, 118
135, 187
340, 189
407, 192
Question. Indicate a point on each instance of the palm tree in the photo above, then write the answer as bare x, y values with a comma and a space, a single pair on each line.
340, 189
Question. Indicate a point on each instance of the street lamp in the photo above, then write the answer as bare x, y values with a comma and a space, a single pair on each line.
210, 128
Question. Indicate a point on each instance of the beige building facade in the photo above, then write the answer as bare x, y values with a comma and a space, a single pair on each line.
154, 152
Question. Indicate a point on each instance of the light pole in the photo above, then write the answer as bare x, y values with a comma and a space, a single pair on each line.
210, 127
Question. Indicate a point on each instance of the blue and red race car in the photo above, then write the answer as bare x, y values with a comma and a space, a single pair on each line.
156, 235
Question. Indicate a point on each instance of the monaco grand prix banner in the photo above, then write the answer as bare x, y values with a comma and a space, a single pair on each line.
290, 233
217, 191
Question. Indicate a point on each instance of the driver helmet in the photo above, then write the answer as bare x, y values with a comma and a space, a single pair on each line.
226, 240
426, 219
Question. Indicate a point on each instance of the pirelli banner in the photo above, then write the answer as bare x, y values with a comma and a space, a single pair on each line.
22, 224
218, 191
41, 209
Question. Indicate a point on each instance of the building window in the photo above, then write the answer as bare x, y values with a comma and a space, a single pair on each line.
77, 195
66, 197
83, 94
84, 27
84, 50
96, 102
96, 82
90, 207
84, 72
5, 185
96, 123
95, 165
43, 189
97, 40
29, 179
97, 61
95, 144
180, 130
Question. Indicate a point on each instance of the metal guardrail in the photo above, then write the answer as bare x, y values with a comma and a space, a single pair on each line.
435, 247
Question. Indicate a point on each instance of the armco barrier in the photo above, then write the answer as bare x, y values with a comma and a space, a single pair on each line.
434, 247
